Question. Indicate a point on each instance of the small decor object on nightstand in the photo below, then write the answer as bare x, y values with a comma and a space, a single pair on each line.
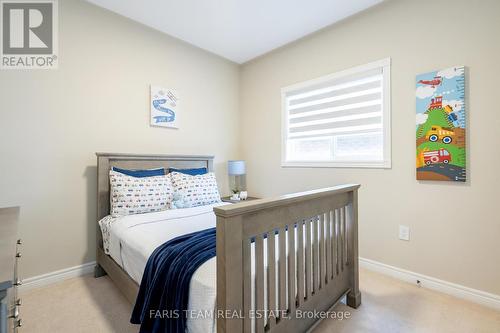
229, 199
237, 181
164, 107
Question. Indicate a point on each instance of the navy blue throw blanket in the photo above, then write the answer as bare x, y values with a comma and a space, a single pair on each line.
164, 290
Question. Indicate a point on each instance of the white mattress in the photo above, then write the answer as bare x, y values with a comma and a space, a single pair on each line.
133, 238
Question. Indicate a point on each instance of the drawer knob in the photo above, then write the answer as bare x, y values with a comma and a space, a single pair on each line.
19, 323
19, 242
18, 282
15, 313
18, 255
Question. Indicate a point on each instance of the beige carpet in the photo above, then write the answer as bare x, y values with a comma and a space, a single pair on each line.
94, 305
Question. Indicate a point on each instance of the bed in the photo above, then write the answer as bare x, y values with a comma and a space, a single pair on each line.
253, 267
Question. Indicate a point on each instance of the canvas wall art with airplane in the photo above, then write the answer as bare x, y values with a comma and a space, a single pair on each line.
441, 125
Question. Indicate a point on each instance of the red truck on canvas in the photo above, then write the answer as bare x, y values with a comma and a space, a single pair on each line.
437, 156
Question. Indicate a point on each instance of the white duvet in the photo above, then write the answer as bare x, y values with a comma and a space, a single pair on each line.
131, 240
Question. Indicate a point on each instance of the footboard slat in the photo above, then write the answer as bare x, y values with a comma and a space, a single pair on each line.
282, 271
300, 263
247, 285
321, 250
259, 283
346, 238
308, 259
312, 265
333, 244
315, 260
328, 251
292, 273
342, 238
271, 280
348, 232
337, 241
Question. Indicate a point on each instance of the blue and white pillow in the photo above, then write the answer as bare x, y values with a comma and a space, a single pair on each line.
192, 171
199, 190
141, 173
133, 195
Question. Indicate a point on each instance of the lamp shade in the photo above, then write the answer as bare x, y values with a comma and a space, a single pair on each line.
236, 168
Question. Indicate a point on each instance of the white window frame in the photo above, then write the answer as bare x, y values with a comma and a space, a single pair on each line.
385, 64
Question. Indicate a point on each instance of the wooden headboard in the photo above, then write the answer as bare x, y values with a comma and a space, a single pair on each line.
105, 161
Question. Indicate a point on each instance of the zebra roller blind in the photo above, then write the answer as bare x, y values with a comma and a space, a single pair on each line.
342, 119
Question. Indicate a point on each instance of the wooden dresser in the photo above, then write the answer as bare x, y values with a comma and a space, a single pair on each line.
9, 280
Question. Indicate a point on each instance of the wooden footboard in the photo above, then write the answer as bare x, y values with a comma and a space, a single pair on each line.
253, 242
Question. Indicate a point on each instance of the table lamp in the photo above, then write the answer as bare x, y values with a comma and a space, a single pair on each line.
237, 181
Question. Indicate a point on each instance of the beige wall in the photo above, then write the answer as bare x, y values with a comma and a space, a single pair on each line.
455, 228
52, 122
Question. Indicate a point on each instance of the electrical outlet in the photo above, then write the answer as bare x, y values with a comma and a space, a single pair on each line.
404, 232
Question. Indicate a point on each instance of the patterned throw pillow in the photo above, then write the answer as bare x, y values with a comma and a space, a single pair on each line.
132, 195
199, 190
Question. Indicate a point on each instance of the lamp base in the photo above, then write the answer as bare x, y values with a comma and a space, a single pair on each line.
237, 183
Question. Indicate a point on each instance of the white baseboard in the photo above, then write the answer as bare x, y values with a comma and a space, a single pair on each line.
57, 276
473, 295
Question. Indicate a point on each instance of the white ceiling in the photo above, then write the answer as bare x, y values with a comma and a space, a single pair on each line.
238, 30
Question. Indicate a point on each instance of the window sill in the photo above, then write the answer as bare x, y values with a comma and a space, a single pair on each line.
364, 165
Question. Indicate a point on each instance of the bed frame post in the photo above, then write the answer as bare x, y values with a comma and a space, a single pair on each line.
99, 271
229, 274
354, 296
102, 207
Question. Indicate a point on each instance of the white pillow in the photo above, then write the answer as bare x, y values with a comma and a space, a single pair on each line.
199, 190
132, 195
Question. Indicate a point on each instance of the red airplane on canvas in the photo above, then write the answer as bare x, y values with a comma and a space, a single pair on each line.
435, 82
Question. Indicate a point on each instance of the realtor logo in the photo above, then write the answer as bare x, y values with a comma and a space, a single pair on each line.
29, 34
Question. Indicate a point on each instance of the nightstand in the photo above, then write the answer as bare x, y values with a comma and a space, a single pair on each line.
227, 199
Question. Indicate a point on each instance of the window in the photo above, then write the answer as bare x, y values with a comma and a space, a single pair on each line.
340, 120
